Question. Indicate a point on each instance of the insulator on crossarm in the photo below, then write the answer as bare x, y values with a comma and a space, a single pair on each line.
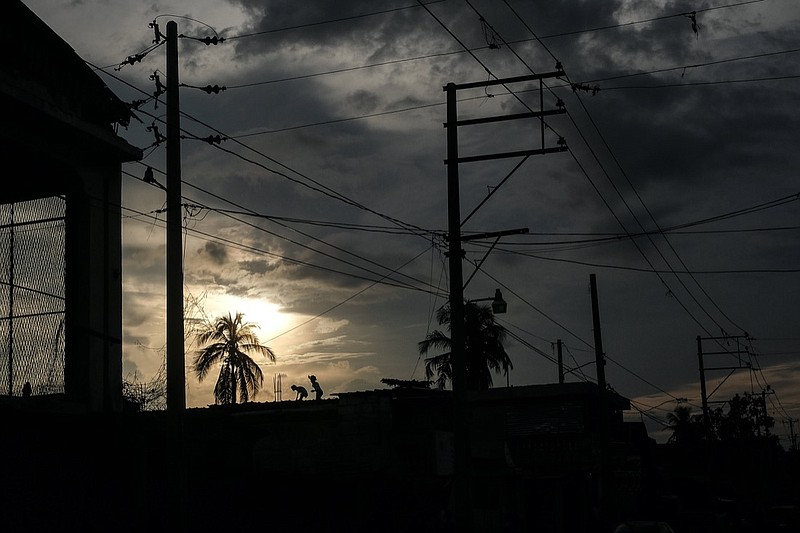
212, 40
160, 89
213, 89
156, 31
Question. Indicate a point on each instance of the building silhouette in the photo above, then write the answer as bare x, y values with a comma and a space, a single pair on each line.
60, 312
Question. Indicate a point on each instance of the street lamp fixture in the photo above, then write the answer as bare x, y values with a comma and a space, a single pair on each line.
499, 306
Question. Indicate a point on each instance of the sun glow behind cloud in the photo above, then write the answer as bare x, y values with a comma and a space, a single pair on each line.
267, 316
269, 322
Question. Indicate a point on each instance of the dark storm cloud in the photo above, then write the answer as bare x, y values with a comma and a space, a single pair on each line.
363, 101
258, 267
215, 252
379, 35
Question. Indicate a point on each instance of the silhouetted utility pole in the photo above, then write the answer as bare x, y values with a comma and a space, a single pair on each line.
792, 437
598, 338
703, 369
703, 393
764, 412
560, 362
462, 491
602, 404
176, 388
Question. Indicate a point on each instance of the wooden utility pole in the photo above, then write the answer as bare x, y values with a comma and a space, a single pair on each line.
703, 369
461, 485
598, 338
176, 388
792, 437
602, 404
703, 393
461, 466
560, 362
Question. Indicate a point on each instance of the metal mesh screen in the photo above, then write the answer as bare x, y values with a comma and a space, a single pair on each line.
32, 290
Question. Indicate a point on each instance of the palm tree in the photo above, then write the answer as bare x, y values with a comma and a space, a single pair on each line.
228, 341
484, 349
686, 428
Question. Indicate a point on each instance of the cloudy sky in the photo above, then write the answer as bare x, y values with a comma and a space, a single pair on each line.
321, 213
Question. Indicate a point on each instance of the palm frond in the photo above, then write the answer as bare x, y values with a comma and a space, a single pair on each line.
483, 345
207, 358
436, 340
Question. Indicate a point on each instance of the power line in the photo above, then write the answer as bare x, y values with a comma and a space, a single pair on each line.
642, 21
648, 414
674, 229
482, 97
482, 64
228, 242
620, 195
329, 21
371, 228
340, 120
474, 49
547, 356
529, 304
623, 200
305, 235
641, 201
705, 83
290, 240
694, 65
317, 187
344, 301
478, 48
651, 270
347, 69
490, 73
220, 240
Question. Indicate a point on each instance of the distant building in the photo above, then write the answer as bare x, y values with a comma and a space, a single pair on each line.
60, 223
384, 459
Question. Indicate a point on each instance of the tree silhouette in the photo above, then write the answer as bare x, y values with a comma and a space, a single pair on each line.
687, 428
483, 342
146, 395
746, 418
228, 340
